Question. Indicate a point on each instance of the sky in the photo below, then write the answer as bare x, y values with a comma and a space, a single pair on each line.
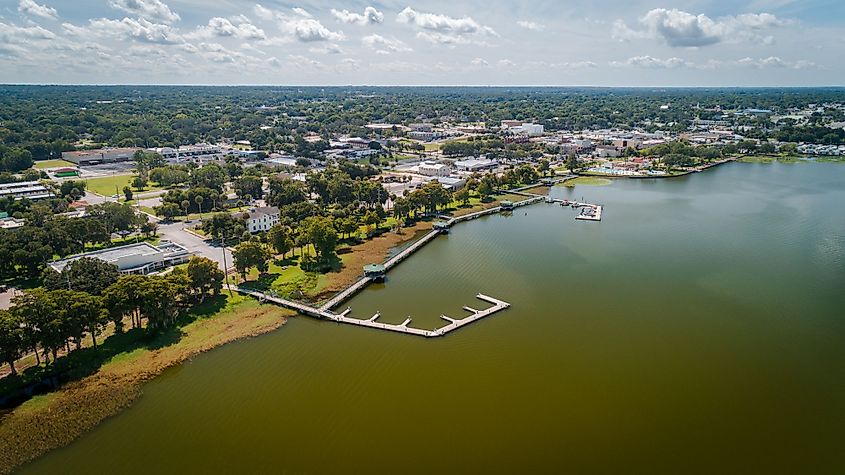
471, 42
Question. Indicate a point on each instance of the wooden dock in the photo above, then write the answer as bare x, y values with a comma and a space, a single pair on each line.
373, 323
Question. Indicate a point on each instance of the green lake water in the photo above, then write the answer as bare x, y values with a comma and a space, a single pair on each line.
700, 328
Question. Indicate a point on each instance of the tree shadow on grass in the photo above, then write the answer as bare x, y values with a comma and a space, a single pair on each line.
81, 363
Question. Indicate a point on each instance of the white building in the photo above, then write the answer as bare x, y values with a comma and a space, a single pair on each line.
475, 165
200, 153
32, 190
142, 258
262, 219
528, 128
430, 168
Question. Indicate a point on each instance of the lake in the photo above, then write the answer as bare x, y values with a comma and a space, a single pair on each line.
699, 328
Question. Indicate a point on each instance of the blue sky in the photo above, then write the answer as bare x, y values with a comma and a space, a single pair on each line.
474, 42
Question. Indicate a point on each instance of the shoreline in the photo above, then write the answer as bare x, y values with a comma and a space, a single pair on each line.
54, 420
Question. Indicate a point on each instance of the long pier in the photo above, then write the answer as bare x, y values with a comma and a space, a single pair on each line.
373, 322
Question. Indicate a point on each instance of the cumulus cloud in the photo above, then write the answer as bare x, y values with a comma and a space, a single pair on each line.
223, 27
13, 34
530, 25
29, 7
129, 28
384, 45
154, 10
479, 62
678, 28
776, 62
300, 25
370, 16
445, 30
330, 48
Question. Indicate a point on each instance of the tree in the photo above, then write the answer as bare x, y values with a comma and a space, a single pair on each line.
487, 186
198, 200
321, 233
139, 182
149, 228
280, 238
463, 196
86, 274
205, 276
249, 185
168, 210
124, 298
284, 191
116, 217
223, 224
127, 193
572, 164
12, 341
186, 205
251, 254
543, 167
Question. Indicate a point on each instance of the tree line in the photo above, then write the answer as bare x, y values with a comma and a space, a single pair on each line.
88, 295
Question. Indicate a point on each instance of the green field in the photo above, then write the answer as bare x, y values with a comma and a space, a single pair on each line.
107, 185
588, 181
45, 164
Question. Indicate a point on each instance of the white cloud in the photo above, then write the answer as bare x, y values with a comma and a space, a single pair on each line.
479, 62
128, 28
300, 25
385, 45
651, 62
15, 34
154, 10
776, 62
223, 27
329, 48
299, 61
678, 28
505, 64
442, 24
370, 16
530, 25
29, 7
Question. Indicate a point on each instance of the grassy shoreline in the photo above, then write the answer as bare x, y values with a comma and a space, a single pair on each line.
56, 419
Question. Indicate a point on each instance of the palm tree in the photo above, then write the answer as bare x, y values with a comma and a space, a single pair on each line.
198, 200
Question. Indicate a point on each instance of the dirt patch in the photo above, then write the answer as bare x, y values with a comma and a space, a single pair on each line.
56, 419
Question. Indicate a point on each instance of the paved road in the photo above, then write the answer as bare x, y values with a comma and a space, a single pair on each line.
175, 232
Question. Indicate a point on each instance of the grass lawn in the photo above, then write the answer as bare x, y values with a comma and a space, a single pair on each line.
588, 181
109, 185
432, 147
44, 164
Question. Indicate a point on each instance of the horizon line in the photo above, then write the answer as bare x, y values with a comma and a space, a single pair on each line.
488, 86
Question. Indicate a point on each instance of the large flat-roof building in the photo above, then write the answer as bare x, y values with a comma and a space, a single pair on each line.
475, 165
31, 190
141, 258
429, 168
99, 156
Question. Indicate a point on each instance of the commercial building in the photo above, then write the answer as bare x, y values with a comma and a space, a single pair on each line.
31, 190
99, 156
8, 222
200, 154
429, 168
475, 165
262, 219
142, 258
